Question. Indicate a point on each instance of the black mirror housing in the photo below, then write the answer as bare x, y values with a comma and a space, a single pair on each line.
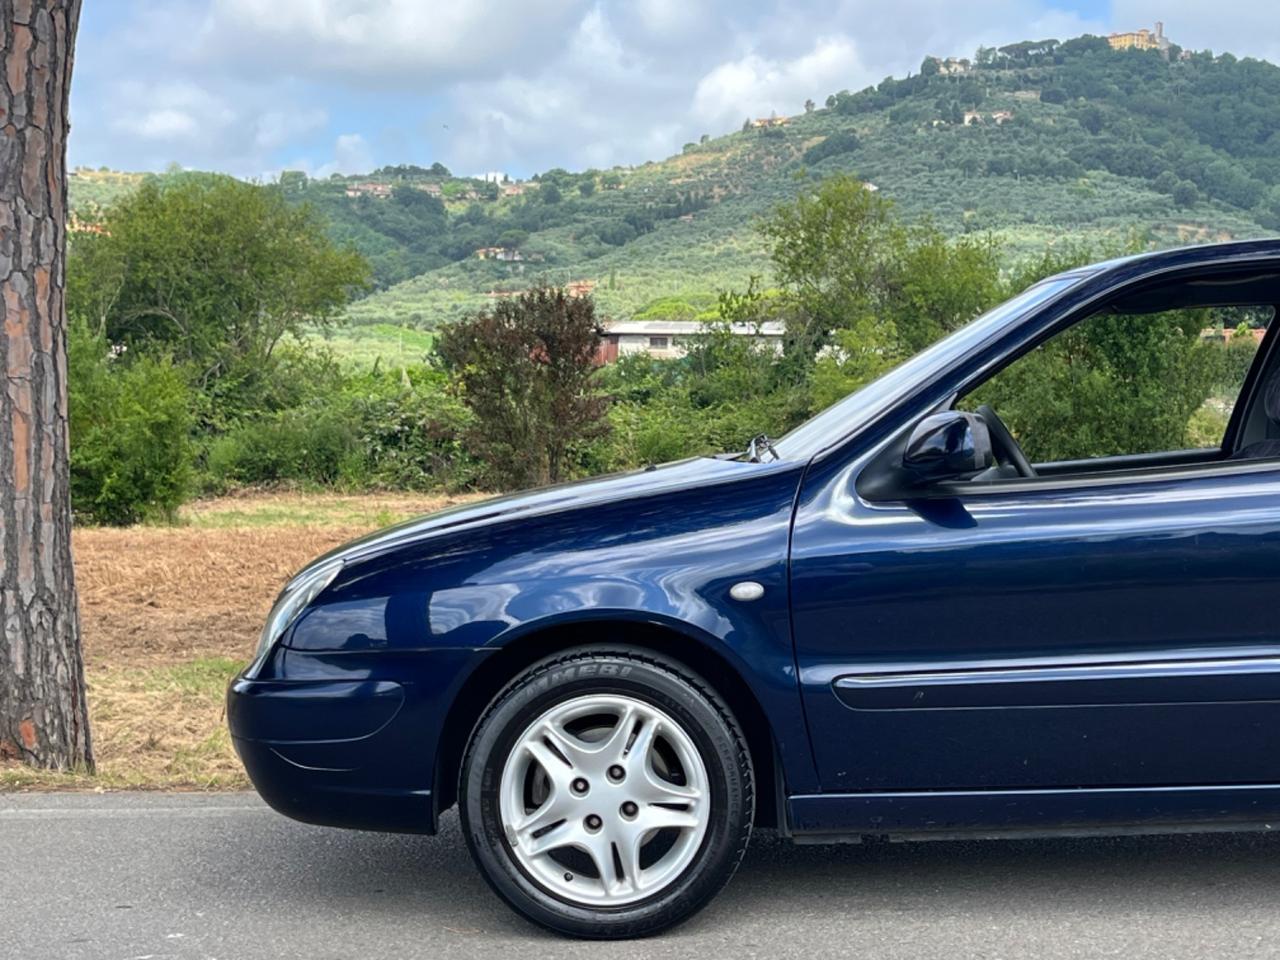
947, 446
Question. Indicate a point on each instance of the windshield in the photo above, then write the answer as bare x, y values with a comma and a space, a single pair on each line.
857, 409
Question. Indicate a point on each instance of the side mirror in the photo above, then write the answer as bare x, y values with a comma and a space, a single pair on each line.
947, 446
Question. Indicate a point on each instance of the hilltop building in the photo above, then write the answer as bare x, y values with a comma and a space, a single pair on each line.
771, 122
952, 66
1143, 39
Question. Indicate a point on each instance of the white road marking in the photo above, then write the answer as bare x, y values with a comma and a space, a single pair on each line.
74, 813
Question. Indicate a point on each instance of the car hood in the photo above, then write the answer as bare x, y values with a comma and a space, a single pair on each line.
682, 475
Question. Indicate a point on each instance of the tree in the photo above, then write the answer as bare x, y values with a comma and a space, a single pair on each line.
825, 248
873, 291
1091, 119
1167, 182
809, 106
1185, 194
214, 271
1112, 384
845, 141
43, 718
527, 371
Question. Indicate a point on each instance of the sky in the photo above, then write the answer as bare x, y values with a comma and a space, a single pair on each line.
253, 87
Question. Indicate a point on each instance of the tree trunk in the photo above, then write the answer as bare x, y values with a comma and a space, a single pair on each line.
43, 719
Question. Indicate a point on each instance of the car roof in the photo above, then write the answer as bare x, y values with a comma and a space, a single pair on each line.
1266, 248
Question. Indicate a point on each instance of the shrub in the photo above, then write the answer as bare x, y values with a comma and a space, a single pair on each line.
130, 433
312, 443
380, 429
410, 430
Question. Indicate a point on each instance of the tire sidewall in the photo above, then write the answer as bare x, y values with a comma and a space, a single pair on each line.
719, 745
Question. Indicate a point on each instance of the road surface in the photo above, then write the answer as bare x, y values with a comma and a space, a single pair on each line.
220, 876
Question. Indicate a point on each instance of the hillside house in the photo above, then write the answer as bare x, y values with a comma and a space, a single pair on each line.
973, 118
665, 339
379, 191
579, 288
770, 122
76, 225
505, 254
433, 189
1214, 335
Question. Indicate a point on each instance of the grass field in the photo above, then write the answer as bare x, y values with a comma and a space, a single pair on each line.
382, 343
170, 614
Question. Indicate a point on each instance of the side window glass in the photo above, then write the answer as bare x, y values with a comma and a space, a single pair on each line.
1117, 384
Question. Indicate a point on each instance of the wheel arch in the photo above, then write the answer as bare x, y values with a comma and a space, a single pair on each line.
686, 649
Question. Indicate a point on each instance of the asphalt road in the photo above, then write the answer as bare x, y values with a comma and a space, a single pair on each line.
199, 876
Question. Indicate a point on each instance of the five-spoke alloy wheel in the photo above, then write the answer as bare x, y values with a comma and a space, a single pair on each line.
607, 793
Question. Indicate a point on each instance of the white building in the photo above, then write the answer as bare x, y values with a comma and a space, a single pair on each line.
665, 339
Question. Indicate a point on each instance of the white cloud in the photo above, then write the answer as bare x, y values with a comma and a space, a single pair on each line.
163, 124
277, 128
351, 154
756, 86
171, 113
384, 41
671, 19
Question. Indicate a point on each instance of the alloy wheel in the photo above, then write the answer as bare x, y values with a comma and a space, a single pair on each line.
604, 800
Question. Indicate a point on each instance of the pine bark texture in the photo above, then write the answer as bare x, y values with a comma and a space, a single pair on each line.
43, 719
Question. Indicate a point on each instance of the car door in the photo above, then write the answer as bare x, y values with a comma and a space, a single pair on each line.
1115, 633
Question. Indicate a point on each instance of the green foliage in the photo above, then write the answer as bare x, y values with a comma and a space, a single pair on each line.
312, 443
846, 141
827, 252
379, 429
865, 290
130, 432
210, 270
1110, 385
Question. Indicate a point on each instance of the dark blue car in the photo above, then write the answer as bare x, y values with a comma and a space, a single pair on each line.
892, 622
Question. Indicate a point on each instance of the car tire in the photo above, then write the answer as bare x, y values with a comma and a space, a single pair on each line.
598, 849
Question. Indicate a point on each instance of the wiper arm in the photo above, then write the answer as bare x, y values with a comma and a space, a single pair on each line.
760, 444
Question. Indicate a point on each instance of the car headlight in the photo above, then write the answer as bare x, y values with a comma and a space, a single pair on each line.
289, 606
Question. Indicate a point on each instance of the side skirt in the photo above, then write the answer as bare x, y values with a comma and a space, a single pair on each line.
944, 814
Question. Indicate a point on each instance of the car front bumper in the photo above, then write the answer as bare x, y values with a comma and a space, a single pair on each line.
357, 752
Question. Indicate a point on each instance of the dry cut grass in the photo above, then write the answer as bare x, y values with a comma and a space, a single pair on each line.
170, 614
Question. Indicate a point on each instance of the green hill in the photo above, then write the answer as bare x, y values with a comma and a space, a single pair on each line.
1034, 142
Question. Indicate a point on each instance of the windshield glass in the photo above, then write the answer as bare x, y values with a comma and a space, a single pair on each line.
858, 408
